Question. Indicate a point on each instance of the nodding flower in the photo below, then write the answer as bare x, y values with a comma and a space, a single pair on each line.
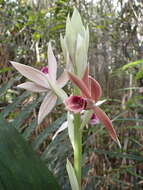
91, 91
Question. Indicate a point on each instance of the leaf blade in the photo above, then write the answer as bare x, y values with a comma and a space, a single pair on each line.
72, 176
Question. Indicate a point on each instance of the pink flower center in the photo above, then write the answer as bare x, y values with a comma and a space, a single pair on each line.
44, 70
77, 100
75, 103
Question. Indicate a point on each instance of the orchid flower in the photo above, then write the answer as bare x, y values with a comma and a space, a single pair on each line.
44, 81
91, 91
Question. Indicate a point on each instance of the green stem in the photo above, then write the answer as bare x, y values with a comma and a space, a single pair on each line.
78, 144
78, 148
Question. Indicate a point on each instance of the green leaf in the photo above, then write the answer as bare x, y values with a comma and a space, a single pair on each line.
70, 120
135, 127
48, 131
139, 74
132, 64
72, 176
13, 105
120, 155
20, 167
25, 112
132, 172
6, 86
60, 148
57, 27
36, 36
5, 69
30, 129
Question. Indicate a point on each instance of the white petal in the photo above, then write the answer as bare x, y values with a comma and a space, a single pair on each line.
62, 128
52, 63
32, 74
100, 102
33, 87
57, 90
81, 55
46, 106
69, 65
62, 80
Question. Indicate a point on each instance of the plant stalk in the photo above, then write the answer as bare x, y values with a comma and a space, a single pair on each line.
78, 148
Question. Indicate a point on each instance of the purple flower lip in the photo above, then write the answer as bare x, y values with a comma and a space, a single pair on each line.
75, 104
44, 70
94, 119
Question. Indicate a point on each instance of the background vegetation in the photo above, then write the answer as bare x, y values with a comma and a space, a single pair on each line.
116, 61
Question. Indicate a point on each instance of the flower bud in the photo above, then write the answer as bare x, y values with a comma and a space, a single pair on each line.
94, 119
44, 70
75, 43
